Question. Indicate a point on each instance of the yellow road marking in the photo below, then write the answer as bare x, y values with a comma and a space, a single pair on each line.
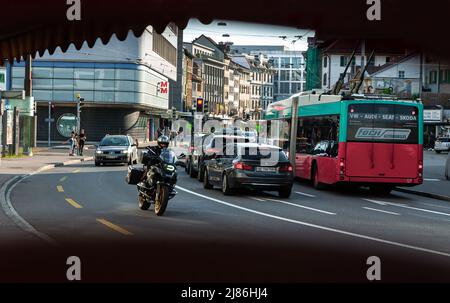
60, 188
73, 203
63, 179
115, 227
76, 171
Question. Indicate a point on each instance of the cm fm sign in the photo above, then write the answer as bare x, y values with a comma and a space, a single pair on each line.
163, 87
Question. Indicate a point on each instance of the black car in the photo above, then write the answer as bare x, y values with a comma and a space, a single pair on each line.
255, 166
212, 147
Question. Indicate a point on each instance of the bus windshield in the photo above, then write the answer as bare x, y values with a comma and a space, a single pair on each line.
384, 123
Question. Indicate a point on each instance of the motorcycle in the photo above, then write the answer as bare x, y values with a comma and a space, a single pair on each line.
157, 180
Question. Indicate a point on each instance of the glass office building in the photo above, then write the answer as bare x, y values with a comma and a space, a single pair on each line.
124, 84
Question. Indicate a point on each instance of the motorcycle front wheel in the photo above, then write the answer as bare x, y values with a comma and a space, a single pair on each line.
162, 199
143, 203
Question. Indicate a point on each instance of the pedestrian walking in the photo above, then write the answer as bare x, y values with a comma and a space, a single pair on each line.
81, 142
71, 143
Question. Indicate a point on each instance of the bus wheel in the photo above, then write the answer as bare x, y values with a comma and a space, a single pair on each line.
315, 179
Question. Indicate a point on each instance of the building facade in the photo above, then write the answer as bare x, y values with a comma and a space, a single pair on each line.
124, 85
289, 67
211, 59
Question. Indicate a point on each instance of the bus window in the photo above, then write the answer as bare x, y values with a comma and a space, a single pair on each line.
312, 130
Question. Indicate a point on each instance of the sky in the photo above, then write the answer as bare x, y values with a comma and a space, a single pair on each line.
242, 33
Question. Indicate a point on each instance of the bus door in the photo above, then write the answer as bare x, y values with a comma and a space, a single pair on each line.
382, 141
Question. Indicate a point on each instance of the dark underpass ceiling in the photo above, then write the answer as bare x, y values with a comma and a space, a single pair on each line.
30, 26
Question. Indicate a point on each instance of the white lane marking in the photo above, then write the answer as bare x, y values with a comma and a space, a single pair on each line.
432, 180
375, 201
408, 207
304, 207
317, 226
257, 199
434, 205
305, 194
382, 211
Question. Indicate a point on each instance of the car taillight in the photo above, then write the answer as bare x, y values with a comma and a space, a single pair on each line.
342, 167
286, 168
242, 166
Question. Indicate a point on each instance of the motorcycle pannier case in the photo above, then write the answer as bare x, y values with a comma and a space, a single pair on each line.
134, 174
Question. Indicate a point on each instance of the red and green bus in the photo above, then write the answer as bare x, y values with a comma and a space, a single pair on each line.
368, 141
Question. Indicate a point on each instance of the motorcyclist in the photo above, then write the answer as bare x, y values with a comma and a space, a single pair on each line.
162, 143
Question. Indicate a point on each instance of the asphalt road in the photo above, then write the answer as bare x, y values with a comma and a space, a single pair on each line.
315, 236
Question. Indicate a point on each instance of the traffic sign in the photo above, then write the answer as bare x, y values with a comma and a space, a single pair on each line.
13, 94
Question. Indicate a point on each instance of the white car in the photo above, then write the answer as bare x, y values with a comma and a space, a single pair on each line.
447, 168
442, 145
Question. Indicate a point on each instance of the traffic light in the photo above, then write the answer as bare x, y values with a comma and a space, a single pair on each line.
200, 105
174, 113
205, 106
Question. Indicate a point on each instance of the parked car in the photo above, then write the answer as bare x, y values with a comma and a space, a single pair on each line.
116, 149
442, 145
255, 166
447, 168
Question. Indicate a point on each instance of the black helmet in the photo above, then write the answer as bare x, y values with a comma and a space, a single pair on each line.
163, 142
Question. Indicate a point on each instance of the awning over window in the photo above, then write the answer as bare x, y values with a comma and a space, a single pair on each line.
27, 26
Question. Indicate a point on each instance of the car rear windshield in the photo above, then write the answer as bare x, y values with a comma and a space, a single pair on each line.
387, 123
444, 140
114, 141
261, 153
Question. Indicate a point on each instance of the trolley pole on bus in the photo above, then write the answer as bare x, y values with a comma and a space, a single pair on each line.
293, 136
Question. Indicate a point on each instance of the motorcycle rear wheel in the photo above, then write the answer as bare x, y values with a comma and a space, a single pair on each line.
162, 199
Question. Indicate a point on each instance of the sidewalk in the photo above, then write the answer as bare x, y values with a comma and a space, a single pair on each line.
10, 168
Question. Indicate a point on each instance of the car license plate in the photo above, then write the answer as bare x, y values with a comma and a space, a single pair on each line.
267, 169
111, 157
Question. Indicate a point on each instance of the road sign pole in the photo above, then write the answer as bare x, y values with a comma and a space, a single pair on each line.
294, 126
49, 123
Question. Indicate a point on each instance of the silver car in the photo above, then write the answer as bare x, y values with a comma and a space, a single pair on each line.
442, 145
116, 149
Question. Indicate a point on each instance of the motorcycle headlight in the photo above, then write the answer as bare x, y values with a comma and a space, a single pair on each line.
169, 168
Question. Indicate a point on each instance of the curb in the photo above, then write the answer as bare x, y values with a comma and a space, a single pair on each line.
11, 213
424, 194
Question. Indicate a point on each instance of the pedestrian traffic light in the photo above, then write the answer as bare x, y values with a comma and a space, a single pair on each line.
200, 105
